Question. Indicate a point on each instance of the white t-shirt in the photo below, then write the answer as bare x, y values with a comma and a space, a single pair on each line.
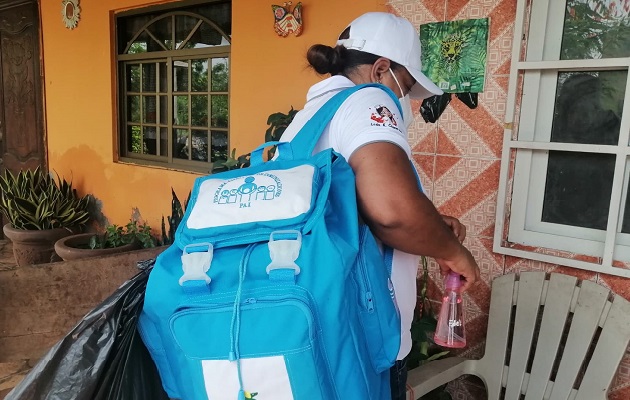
368, 116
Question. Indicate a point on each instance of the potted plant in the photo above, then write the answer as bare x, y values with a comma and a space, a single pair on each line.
115, 239
40, 210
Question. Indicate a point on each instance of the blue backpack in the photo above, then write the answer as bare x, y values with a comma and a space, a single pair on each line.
273, 290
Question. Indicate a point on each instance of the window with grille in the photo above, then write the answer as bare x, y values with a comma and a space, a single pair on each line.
173, 73
563, 194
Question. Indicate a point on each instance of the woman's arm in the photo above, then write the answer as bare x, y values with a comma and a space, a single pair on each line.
400, 215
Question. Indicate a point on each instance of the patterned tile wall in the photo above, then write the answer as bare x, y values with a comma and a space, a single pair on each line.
459, 160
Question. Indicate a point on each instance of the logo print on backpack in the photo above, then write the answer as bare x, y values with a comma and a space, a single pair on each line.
243, 191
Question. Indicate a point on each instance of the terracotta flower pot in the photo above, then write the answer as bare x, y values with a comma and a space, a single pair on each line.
35, 246
77, 246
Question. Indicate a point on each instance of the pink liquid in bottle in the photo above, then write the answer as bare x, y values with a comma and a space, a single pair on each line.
450, 330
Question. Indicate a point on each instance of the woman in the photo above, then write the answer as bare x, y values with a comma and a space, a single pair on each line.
383, 48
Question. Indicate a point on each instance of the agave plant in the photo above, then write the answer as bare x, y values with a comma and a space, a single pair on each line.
34, 200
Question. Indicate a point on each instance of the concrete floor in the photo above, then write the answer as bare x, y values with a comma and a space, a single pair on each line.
7, 262
11, 373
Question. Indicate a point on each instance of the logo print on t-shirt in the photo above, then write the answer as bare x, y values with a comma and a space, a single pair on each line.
382, 116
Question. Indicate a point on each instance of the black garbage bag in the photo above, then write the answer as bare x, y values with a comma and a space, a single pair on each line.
432, 107
102, 358
470, 99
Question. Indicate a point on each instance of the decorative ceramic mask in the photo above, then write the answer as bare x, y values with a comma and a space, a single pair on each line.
287, 21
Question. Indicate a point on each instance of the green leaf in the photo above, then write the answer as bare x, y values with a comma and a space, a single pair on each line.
278, 122
423, 348
269, 134
4, 184
275, 118
25, 206
176, 206
437, 356
94, 244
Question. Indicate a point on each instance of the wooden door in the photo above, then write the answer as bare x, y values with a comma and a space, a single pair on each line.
21, 102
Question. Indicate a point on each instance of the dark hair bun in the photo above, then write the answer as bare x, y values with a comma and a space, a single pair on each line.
325, 59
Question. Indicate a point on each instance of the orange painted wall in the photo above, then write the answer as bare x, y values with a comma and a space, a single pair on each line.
269, 74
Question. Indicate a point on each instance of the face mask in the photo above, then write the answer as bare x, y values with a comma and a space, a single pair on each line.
405, 103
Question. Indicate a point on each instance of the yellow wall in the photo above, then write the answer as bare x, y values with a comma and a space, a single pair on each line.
268, 75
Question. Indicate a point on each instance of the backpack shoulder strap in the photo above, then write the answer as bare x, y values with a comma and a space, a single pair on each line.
304, 142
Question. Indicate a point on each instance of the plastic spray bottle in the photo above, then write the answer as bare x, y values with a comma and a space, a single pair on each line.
450, 330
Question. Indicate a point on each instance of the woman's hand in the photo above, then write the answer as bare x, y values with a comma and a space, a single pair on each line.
462, 263
457, 227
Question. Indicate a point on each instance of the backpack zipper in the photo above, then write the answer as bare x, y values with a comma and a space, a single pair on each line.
364, 283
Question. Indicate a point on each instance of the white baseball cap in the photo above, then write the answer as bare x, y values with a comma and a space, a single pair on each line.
386, 35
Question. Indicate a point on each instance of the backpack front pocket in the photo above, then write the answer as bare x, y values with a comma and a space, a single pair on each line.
268, 343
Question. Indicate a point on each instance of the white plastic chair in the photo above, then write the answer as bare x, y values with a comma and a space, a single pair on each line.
573, 335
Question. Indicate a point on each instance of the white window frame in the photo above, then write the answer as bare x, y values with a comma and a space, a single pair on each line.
531, 145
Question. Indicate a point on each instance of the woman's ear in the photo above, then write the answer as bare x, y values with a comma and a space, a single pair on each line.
379, 69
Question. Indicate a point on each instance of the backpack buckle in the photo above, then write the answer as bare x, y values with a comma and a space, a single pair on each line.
284, 249
196, 264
